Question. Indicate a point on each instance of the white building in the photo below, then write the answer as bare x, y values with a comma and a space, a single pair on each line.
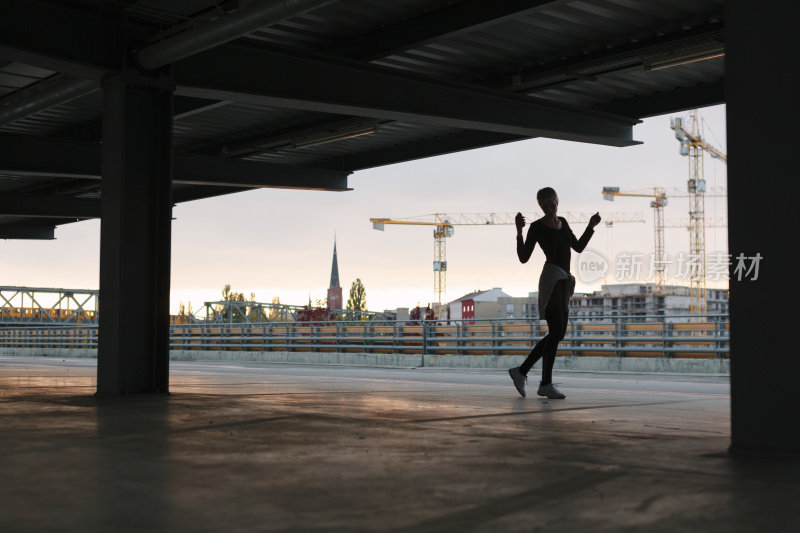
477, 305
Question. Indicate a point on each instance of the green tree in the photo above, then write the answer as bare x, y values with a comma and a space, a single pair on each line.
358, 296
231, 296
274, 311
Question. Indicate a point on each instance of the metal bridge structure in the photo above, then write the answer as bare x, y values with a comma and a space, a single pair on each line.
33, 305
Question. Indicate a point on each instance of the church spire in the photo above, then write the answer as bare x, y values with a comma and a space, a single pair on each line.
334, 291
334, 268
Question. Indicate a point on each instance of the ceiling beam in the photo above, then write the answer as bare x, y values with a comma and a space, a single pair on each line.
206, 170
17, 230
609, 61
669, 102
23, 156
48, 205
318, 83
182, 194
78, 44
182, 107
455, 19
447, 144
59, 37
250, 16
638, 107
43, 95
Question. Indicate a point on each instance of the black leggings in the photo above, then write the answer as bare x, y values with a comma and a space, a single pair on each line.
556, 314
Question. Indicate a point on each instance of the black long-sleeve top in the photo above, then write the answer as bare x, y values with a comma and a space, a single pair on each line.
555, 243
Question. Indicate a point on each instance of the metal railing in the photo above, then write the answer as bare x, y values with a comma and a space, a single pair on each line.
655, 336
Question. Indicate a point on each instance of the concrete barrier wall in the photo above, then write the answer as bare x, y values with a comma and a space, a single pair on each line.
563, 363
71, 353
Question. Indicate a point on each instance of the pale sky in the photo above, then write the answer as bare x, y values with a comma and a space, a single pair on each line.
274, 242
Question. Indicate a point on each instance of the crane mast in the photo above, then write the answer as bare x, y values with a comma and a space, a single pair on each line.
660, 200
659, 256
693, 146
442, 230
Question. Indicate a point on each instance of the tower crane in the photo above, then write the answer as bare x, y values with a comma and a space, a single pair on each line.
443, 228
693, 145
660, 200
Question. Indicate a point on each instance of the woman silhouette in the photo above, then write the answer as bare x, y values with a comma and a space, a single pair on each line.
556, 285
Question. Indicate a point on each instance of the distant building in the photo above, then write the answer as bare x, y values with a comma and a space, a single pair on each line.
519, 307
626, 299
631, 299
717, 302
335, 290
402, 314
477, 305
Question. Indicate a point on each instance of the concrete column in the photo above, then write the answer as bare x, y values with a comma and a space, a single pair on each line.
133, 353
763, 115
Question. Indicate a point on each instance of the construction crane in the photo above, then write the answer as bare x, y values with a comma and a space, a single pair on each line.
443, 228
693, 145
660, 200
685, 223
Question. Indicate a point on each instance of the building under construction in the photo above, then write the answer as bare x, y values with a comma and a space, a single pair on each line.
626, 299
644, 299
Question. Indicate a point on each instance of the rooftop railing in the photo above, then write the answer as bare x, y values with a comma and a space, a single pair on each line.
706, 336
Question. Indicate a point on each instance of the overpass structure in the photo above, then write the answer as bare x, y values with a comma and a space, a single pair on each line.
121, 109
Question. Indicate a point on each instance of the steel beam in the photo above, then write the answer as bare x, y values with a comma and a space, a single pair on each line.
26, 230
59, 37
455, 19
182, 107
318, 83
43, 95
610, 61
206, 170
249, 18
183, 193
81, 43
25, 156
669, 102
41, 205
457, 142
638, 107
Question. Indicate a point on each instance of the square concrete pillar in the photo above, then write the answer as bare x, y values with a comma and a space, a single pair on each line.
133, 354
763, 116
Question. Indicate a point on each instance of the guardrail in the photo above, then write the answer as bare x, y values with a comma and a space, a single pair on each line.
704, 337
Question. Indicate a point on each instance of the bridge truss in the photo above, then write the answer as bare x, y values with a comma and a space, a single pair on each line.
36, 305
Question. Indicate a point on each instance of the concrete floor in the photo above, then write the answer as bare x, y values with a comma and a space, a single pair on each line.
255, 447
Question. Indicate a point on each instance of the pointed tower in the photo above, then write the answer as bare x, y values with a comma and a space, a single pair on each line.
334, 291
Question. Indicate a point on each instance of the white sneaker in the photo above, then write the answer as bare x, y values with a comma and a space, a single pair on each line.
519, 380
550, 391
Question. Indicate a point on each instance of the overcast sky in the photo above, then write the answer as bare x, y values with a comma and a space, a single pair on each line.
275, 242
